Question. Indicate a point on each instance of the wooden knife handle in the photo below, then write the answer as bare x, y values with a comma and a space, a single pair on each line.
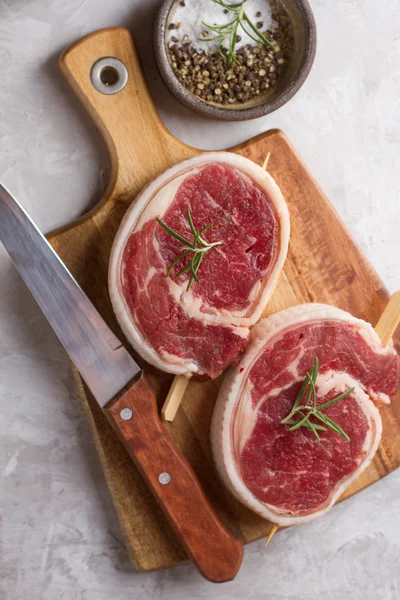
213, 549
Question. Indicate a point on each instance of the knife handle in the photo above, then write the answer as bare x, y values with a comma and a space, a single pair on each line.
214, 550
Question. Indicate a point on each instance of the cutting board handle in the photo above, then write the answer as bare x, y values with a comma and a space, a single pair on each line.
127, 119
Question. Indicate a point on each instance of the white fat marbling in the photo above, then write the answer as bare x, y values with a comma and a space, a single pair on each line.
59, 534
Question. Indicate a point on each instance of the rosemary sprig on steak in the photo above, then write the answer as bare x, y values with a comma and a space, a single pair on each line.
229, 31
302, 411
196, 249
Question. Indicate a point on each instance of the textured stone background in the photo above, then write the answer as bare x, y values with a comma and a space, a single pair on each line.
60, 539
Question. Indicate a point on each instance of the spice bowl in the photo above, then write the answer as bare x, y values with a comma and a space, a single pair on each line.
273, 73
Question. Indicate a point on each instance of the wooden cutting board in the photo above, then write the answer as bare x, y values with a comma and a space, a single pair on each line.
324, 265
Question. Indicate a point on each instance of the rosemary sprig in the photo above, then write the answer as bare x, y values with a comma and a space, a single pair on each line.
229, 30
198, 248
301, 413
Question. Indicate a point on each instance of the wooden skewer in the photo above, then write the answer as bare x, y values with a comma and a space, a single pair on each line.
180, 383
389, 320
271, 534
385, 328
265, 163
174, 398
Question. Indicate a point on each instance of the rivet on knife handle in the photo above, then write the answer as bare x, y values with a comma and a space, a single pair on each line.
210, 545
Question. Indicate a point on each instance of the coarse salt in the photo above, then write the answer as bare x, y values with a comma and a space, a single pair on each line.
189, 19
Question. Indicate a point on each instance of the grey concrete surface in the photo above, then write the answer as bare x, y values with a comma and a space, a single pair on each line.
60, 539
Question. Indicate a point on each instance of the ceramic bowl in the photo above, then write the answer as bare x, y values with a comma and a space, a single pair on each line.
305, 41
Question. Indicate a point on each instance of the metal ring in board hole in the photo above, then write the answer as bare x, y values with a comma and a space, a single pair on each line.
109, 75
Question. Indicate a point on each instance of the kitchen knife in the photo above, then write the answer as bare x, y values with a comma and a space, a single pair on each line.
124, 393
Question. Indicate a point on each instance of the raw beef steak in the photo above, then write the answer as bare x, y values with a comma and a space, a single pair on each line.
290, 476
201, 330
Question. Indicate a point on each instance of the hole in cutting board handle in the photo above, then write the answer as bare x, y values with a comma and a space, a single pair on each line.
109, 75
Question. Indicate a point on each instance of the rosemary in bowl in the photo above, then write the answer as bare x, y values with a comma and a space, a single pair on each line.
229, 53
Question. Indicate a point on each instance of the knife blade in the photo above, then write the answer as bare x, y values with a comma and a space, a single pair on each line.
99, 356
128, 401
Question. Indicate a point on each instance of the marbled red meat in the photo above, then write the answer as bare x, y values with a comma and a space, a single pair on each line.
202, 330
161, 320
242, 217
290, 476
